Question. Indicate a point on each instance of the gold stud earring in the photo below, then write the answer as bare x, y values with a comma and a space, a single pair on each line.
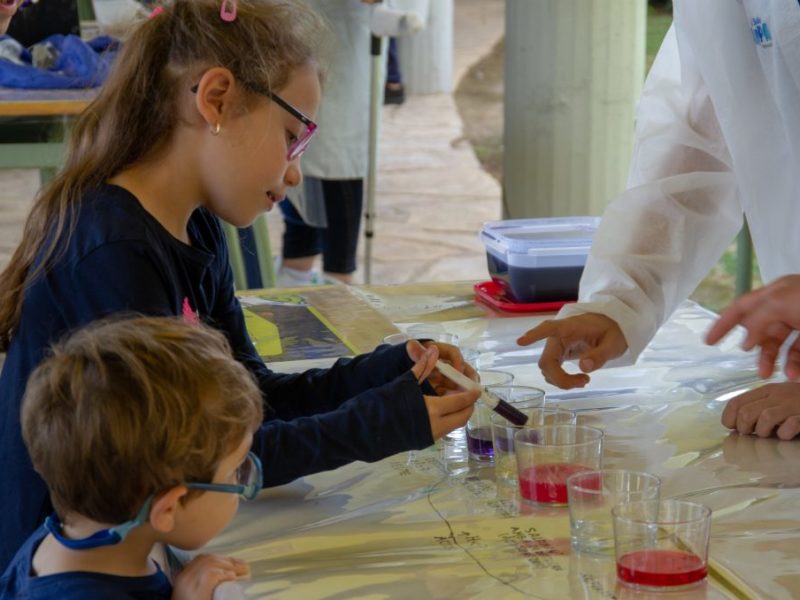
216, 129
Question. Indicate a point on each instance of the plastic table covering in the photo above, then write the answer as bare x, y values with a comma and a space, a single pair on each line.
431, 524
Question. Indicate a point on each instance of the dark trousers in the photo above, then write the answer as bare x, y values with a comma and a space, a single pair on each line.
338, 242
393, 64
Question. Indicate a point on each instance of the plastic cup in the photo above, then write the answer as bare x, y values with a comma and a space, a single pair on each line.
593, 494
432, 331
479, 426
418, 333
503, 432
396, 338
548, 455
472, 356
661, 545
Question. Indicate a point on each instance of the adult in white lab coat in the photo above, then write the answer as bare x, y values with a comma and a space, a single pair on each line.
717, 135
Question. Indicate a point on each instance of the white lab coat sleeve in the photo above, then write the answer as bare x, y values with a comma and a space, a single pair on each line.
658, 239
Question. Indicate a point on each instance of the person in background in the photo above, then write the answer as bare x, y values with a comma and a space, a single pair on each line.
717, 137
323, 216
394, 92
8, 8
39, 20
105, 421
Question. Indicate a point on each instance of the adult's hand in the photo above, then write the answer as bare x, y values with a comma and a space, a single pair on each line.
593, 339
769, 314
770, 409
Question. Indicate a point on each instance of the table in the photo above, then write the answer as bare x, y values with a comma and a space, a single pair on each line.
34, 126
430, 524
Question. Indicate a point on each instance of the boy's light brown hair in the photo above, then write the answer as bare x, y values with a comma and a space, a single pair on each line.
124, 409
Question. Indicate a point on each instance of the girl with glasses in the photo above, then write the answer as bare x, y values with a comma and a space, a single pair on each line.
203, 117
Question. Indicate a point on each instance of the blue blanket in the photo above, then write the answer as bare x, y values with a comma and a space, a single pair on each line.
77, 64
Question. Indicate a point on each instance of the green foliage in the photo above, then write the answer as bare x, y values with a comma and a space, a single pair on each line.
658, 23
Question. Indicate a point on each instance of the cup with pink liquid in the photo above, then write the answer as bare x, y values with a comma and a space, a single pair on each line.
526, 399
661, 545
548, 455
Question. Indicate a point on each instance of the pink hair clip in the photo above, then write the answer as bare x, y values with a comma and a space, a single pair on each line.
228, 14
156, 11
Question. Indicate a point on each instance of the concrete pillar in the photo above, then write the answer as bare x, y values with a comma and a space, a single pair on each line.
426, 58
574, 70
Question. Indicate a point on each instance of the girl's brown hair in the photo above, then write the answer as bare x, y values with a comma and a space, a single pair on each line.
124, 409
137, 111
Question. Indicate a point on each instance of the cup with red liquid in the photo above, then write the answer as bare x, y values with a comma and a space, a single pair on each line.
548, 455
661, 545
528, 401
479, 426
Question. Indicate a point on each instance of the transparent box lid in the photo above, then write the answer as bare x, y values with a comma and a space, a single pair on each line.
554, 236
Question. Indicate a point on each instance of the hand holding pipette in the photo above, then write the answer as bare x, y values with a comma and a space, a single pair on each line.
450, 410
498, 405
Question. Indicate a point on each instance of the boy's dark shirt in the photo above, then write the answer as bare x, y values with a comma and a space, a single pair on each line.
17, 582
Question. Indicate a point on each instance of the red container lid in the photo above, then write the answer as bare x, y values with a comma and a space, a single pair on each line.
492, 294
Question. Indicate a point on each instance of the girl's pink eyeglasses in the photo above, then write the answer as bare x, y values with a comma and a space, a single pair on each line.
299, 144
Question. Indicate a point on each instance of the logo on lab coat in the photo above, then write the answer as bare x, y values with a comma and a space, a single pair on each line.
761, 33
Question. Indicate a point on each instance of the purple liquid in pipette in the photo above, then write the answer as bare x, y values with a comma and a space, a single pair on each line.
508, 412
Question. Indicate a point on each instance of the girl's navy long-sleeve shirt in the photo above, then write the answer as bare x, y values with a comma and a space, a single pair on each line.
120, 259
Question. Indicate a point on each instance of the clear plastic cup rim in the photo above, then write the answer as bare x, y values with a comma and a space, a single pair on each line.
508, 383
703, 512
512, 386
593, 436
395, 339
603, 472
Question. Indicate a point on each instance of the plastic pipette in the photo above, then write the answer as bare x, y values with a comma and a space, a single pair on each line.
498, 405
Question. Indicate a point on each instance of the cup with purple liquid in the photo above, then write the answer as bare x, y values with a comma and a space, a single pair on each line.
548, 455
479, 426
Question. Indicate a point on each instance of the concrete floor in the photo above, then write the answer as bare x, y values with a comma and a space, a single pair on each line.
432, 195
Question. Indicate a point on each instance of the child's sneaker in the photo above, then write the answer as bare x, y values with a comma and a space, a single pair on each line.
286, 277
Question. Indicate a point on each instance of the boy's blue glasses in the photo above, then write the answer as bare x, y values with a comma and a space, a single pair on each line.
249, 477
299, 144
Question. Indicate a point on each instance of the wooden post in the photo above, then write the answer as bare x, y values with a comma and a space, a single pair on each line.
574, 70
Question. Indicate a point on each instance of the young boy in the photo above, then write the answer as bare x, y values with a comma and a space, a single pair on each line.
141, 429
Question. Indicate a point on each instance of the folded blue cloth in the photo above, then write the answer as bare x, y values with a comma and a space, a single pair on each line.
76, 64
